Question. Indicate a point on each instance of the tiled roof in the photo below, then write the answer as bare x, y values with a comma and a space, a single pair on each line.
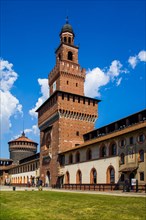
22, 138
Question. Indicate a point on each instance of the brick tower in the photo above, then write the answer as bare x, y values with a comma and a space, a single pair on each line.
67, 114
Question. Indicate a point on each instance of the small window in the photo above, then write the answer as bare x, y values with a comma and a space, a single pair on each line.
88, 102
141, 138
70, 159
83, 101
141, 176
77, 133
69, 40
76, 84
131, 140
67, 82
122, 143
113, 150
77, 157
78, 99
70, 55
93, 103
68, 97
65, 39
89, 154
141, 156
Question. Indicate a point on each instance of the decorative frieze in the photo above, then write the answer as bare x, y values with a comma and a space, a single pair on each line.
77, 116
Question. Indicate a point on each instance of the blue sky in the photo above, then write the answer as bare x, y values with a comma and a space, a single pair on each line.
112, 39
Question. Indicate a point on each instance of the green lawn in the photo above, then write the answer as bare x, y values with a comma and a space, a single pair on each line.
44, 205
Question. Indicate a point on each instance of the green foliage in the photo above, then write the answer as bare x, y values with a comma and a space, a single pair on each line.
46, 205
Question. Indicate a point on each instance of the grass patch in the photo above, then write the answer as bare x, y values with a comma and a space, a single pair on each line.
45, 205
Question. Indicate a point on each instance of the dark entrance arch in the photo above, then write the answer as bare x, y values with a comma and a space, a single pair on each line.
48, 178
131, 176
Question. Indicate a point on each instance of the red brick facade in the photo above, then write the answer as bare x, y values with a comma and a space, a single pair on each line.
67, 114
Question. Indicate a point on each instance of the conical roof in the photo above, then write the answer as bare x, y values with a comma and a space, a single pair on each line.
22, 138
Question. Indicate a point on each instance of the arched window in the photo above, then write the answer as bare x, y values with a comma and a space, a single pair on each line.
89, 154
67, 178
141, 155
113, 150
110, 175
79, 177
70, 55
103, 151
93, 176
70, 159
122, 158
77, 157
65, 39
69, 40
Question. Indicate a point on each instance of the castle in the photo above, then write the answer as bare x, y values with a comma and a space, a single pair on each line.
71, 150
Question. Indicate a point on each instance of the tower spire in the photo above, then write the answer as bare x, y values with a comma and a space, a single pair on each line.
67, 20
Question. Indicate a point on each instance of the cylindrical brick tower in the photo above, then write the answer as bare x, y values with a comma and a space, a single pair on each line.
21, 147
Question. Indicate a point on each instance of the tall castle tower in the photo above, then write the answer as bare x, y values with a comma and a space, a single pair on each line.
67, 114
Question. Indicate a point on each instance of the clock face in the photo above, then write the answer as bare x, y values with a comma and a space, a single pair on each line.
54, 86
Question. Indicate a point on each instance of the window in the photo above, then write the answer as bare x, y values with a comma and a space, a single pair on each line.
122, 158
65, 39
113, 150
69, 40
141, 176
67, 178
70, 55
93, 176
89, 154
79, 177
131, 140
103, 151
76, 84
141, 138
78, 157
122, 143
70, 159
77, 133
110, 175
67, 82
141, 155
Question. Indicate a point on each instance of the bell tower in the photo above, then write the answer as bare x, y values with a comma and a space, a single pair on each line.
67, 75
67, 114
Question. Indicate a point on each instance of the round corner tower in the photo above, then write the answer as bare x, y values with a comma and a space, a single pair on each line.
21, 147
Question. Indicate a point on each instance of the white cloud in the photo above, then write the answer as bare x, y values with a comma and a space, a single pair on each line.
34, 130
115, 69
141, 57
96, 78
45, 94
10, 105
133, 61
119, 81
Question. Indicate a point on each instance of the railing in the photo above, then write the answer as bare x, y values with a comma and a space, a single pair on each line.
101, 187
92, 187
